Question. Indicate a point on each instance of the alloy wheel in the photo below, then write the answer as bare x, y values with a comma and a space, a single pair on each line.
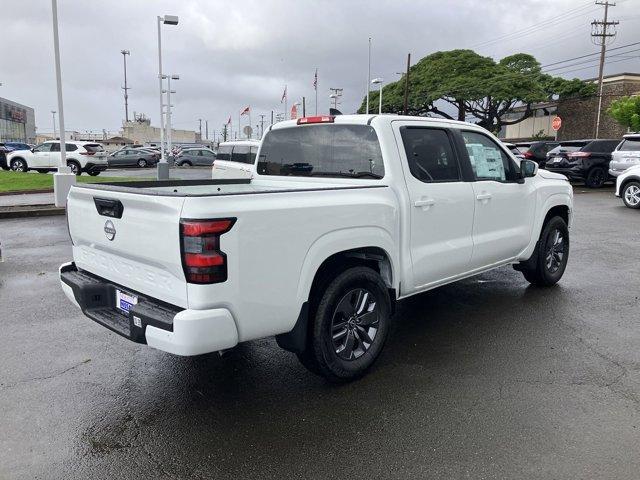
556, 248
355, 324
632, 195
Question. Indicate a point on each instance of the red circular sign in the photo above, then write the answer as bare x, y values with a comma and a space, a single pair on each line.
556, 123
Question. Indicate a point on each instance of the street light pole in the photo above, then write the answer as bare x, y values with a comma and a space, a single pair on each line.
378, 81
53, 115
163, 166
63, 179
168, 112
126, 88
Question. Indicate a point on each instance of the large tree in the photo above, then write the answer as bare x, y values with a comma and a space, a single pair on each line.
626, 111
477, 88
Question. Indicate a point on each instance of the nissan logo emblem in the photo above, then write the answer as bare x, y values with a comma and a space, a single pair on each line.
109, 230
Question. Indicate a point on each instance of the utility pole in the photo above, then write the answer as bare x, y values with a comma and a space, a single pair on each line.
368, 76
53, 114
406, 85
601, 33
261, 125
206, 129
125, 88
200, 128
304, 107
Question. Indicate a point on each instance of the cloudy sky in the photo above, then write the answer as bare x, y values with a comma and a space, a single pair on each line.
230, 54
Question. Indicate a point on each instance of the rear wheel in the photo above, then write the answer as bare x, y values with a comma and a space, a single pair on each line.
596, 177
185, 164
631, 195
75, 167
142, 163
94, 173
19, 165
549, 260
349, 327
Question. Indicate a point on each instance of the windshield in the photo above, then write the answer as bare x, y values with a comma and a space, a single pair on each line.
327, 150
630, 145
93, 147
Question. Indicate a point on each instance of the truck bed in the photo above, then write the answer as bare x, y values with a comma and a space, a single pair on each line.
217, 187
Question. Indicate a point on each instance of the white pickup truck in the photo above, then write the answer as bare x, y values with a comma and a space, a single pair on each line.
344, 217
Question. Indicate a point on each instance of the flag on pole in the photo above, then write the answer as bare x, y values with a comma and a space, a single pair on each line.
229, 121
245, 111
284, 94
315, 80
294, 112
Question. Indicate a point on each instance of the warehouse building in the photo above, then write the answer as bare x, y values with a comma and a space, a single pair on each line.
17, 122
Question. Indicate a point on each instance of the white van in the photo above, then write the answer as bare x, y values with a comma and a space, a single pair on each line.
235, 159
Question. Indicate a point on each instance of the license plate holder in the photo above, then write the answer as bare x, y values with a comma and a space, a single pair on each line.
124, 301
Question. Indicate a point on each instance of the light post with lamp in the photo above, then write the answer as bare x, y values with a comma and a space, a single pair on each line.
168, 91
163, 166
378, 81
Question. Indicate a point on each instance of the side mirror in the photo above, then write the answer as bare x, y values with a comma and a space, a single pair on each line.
528, 168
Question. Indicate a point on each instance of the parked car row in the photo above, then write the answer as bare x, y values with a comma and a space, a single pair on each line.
89, 157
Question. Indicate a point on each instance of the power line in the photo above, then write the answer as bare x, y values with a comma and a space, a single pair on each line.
568, 15
589, 55
589, 61
602, 32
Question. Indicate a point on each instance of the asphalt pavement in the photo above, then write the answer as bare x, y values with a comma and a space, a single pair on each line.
486, 378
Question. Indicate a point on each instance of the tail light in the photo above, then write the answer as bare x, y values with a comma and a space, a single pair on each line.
202, 260
578, 154
87, 153
529, 155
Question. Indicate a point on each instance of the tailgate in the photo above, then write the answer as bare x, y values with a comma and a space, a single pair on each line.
140, 250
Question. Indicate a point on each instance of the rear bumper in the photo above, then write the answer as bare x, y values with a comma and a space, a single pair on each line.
95, 167
159, 325
572, 173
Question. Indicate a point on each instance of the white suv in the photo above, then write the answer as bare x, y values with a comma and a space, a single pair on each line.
626, 155
235, 159
89, 157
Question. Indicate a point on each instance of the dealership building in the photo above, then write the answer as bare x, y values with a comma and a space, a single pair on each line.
17, 122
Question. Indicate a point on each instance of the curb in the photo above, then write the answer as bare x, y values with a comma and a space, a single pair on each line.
27, 192
28, 211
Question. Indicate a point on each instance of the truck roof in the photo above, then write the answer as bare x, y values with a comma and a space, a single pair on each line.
363, 119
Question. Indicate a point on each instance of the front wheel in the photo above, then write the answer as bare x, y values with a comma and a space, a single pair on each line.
349, 327
18, 165
142, 163
596, 177
631, 195
549, 260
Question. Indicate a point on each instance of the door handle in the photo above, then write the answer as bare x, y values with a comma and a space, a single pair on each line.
425, 203
483, 196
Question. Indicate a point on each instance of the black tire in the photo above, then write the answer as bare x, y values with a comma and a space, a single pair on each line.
19, 165
185, 164
75, 167
94, 173
549, 260
631, 194
349, 326
142, 163
596, 177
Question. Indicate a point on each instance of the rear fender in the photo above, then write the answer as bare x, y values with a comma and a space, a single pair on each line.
340, 241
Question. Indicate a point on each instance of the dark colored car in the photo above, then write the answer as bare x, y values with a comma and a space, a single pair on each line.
195, 157
537, 151
133, 157
583, 160
7, 147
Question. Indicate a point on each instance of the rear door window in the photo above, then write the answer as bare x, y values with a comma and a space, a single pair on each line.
430, 155
224, 152
488, 160
630, 145
327, 150
240, 154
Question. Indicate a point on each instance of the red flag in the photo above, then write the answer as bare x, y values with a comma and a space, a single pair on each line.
245, 111
294, 112
284, 94
315, 80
